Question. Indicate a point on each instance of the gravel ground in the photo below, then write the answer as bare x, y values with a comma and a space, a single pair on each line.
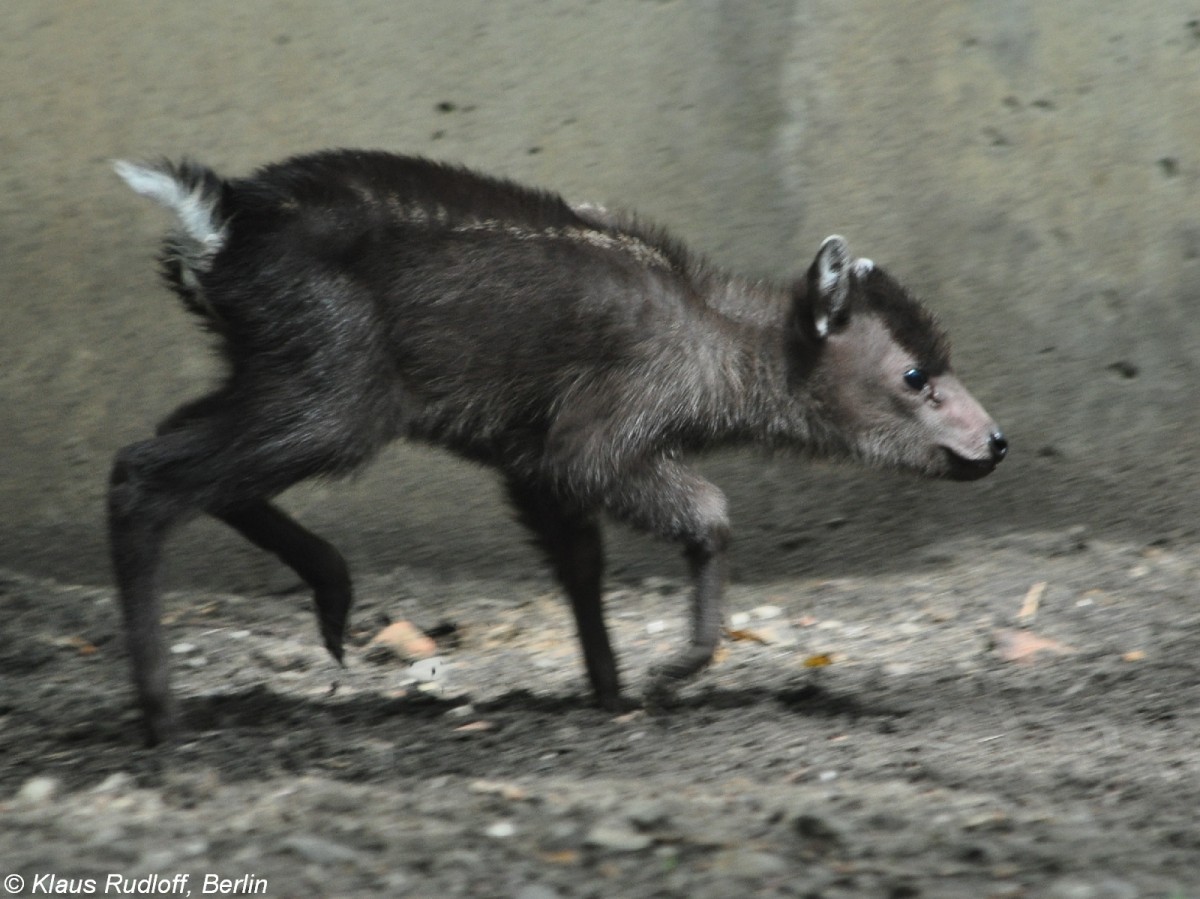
1014, 720
1010, 715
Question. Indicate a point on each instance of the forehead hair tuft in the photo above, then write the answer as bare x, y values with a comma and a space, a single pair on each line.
912, 325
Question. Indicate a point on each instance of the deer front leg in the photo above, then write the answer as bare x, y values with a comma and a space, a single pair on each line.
708, 567
667, 499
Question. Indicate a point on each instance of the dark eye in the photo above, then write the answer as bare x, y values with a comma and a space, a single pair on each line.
916, 379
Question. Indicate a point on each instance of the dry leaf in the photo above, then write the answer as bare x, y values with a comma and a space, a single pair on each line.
405, 640
1023, 646
1029, 608
82, 645
1134, 655
744, 634
474, 727
818, 661
561, 857
508, 791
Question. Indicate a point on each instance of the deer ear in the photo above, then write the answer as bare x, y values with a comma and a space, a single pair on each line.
829, 284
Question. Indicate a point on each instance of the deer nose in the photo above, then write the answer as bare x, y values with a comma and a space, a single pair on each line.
998, 444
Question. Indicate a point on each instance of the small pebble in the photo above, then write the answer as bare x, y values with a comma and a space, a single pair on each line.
38, 790
117, 782
428, 670
501, 830
647, 813
618, 837
319, 851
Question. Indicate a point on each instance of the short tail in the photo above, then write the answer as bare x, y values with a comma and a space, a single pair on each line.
196, 194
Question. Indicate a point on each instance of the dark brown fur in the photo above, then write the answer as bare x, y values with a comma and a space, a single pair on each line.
359, 297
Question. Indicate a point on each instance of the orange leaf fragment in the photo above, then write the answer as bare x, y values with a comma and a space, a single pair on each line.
742, 633
510, 791
82, 645
405, 640
818, 661
1023, 647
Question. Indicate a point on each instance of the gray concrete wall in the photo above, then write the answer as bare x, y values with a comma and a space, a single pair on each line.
1030, 168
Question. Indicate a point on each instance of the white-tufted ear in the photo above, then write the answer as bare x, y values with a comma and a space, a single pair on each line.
829, 281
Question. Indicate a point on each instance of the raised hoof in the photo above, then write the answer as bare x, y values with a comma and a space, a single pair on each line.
334, 647
333, 633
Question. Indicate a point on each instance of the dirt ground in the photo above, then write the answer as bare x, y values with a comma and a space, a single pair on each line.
1011, 717
983, 690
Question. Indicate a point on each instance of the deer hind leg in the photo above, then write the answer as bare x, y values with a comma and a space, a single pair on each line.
316, 561
139, 517
573, 544
207, 457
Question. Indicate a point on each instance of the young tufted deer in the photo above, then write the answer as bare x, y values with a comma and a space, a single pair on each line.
359, 297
